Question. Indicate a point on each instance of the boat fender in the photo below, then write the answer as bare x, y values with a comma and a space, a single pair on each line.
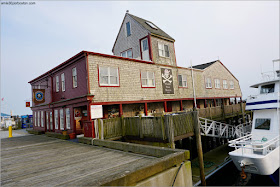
264, 139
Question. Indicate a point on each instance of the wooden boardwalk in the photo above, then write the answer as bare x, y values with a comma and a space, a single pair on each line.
44, 161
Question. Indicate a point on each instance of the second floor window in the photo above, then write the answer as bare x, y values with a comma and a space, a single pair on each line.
127, 53
208, 83
147, 79
163, 50
57, 84
108, 76
182, 80
128, 31
63, 82
225, 84
217, 83
231, 85
74, 77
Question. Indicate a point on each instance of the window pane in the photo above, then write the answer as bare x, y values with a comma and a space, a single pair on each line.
103, 71
129, 53
150, 82
114, 72
56, 119
74, 72
67, 111
51, 122
145, 44
166, 50
47, 120
267, 88
61, 119
180, 80
128, 33
104, 80
144, 75
144, 82
150, 75
113, 80
123, 54
262, 124
42, 118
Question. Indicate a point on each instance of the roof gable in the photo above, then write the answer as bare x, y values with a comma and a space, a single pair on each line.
204, 66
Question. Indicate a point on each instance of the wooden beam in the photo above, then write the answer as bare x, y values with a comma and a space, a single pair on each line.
183, 136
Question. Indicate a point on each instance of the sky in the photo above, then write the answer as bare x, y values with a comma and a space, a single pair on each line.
38, 36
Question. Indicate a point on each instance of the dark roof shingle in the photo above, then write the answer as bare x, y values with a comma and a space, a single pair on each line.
157, 31
203, 66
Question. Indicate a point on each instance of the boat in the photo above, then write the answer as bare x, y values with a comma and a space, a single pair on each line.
258, 152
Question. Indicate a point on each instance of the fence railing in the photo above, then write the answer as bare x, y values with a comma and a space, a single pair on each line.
219, 111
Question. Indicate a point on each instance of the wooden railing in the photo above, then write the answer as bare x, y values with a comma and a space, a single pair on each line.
219, 111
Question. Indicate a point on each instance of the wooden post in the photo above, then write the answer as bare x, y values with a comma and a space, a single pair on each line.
120, 111
146, 109
199, 147
123, 126
165, 106
169, 125
243, 116
181, 105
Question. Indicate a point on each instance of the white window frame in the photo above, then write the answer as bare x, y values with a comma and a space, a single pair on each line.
149, 76
74, 77
217, 83
67, 112
35, 119
225, 86
57, 83
56, 119
63, 82
125, 53
51, 121
109, 75
61, 117
162, 51
38, 119
208, 82
42, 119
231, 85
184, 80
129, 29
47, 120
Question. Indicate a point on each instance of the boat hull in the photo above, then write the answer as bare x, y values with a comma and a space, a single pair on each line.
257, 164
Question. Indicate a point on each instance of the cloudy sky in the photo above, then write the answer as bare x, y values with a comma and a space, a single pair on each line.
37, 37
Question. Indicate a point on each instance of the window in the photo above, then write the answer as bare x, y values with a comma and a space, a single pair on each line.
108, 76
57, 83
262, 124
38, 119
182, 80
62, 82
127, 53
231, 85
225, 84
128, 31
163, 50
217, 83
35, 121
67, 111
151, 25
74, 78
208, 83
56, 119
51, 122
47, 120
267, 89
42, 118
61, 120
147, 79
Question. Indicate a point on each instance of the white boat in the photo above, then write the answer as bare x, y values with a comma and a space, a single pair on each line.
258, 152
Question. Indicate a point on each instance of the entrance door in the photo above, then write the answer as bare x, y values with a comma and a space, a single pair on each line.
145, 49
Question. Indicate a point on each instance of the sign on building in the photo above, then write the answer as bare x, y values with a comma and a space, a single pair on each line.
38, 96
27, 104
167, 81
96, 111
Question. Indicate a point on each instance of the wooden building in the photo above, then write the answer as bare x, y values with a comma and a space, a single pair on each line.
141, 77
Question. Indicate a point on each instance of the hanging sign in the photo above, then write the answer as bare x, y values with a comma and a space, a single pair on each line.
77, 113
38, 96
96, 111
27, 104
167, 81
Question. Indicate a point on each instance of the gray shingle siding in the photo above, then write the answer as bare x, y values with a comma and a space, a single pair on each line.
123, 42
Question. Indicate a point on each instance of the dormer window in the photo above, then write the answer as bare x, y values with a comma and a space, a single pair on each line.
128, 31
151, 25
127, 53
163, 50
267, 89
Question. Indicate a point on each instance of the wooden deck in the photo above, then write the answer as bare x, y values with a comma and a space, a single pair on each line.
40, 160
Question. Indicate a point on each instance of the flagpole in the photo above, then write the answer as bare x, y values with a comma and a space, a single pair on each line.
194, 97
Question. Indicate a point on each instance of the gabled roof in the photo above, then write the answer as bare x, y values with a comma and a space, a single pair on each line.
203, 66
145, 24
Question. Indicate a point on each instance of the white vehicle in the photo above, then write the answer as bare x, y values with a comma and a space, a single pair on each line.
258, 152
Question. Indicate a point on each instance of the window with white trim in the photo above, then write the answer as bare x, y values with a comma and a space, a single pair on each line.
147, 79
61, 120
47, 120
225, 84
208, 83
38, 118
108, 76
217, 83
62, 82
74, 78
182, 80
163, 50
127, 53
231, 85
51, 121
42, 118
57, 83
67, 111
56, 119
128, 29
35, 119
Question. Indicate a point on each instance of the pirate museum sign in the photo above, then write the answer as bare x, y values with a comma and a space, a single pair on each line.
167, 81
38, 96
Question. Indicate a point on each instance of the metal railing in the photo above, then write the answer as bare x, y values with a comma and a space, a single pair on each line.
250, 146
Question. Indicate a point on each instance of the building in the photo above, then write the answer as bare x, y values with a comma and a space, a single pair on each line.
142, 77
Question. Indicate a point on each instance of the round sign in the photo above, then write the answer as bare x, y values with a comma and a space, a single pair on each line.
39, 95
